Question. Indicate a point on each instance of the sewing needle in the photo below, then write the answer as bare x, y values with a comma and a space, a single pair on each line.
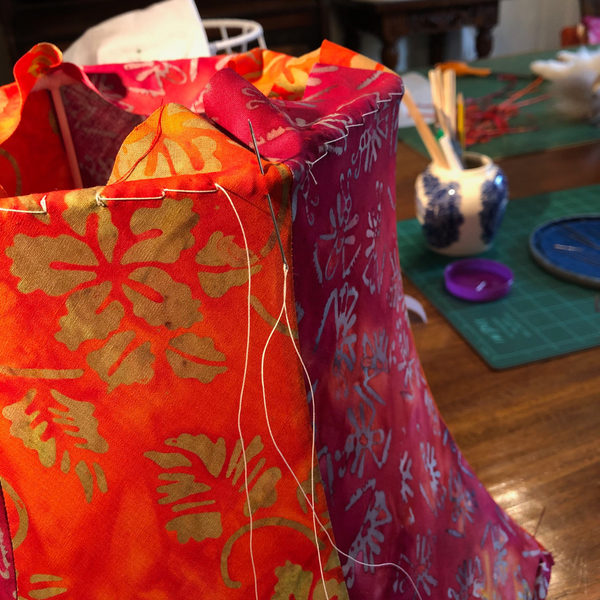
268, 195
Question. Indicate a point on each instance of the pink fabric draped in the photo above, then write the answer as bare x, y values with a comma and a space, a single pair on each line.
142, 87
399, 489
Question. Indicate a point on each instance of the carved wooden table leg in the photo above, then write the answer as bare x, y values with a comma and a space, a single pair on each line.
389, 20
350, 25
437, 47
352, 39
484, 42
389, 54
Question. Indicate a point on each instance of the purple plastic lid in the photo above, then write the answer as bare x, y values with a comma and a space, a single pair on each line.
478, 279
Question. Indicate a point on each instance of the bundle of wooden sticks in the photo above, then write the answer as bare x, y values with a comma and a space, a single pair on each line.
445, 148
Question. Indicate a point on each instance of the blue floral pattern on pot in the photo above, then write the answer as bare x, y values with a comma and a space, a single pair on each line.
442, 218
494, 198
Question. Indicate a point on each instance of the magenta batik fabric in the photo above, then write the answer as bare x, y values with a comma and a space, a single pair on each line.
142, 87
399, 489
8, 585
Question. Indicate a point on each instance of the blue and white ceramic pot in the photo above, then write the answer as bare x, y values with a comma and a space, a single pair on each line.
461, 211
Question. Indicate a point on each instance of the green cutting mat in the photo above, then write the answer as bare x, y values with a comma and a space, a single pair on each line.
554, 130
543, 316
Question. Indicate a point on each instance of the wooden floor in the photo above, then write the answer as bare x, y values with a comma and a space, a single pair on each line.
532, 434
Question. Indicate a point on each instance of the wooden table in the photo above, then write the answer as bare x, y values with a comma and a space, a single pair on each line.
532, 434
390, 20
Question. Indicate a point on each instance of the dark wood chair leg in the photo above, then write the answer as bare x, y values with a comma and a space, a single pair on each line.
484, 42
352, 38
346, 20
437, 47
389, 54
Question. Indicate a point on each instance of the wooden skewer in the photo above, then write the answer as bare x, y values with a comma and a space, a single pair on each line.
441, 95
53, 83
450, 99
436, 98
63, 124
427, 136
440, 101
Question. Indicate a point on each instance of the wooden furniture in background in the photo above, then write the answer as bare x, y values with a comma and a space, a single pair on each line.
389, 20
589, 8
532, 433
28, 22
291, 26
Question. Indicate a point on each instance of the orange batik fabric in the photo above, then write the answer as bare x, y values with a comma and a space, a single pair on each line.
140, 345
284, 77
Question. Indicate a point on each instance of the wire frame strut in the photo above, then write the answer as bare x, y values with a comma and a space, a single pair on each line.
44, 210
101, 200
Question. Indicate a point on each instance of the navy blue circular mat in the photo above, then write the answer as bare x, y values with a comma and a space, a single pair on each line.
569, 248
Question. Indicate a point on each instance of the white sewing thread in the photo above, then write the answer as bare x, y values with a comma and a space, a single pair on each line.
101, 200
311, 163
342, 137
192, 191
377, 102
284, 309
285, 270
44, 210
313, 448
373, 111
239, 417
309, 503
287, 464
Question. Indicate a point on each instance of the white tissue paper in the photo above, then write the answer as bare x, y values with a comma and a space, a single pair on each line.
568, 64
163, 31
575, 78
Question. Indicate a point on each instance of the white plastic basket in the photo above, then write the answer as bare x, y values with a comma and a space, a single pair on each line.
250, 31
